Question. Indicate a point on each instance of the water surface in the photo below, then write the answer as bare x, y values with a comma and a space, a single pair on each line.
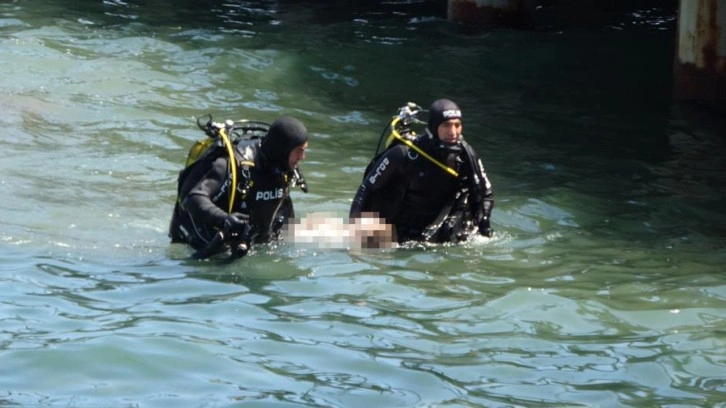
603, 285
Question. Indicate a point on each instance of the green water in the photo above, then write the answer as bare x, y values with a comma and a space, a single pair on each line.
603, 286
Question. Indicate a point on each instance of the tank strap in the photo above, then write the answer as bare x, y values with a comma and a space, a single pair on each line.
397, 135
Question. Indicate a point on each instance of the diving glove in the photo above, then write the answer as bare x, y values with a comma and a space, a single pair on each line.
237, 224
485, 228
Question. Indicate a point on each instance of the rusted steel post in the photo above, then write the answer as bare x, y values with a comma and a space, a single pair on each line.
700, 66
510, 13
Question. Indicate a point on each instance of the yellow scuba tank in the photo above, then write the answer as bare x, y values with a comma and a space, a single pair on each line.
197, 149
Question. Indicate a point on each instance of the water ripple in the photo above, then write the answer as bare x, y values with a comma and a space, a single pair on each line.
602, 286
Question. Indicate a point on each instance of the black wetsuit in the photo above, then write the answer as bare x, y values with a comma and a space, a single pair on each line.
204, 190
423, 201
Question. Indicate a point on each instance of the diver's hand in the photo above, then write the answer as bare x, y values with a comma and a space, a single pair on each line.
238, 234
237, 224
485, 228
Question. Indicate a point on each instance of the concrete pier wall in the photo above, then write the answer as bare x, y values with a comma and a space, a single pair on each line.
700, 66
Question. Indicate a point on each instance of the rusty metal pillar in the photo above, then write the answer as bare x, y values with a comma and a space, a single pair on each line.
700, 66
509, 13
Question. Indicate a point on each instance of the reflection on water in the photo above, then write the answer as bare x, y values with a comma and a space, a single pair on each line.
602, 286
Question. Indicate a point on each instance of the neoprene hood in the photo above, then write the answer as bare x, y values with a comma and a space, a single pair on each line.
285, 134
442, 110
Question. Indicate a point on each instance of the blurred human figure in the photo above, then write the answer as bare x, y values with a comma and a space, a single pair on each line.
324, 230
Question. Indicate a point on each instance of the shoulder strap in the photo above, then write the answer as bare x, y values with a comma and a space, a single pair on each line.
232, 167
245, 154
420, 151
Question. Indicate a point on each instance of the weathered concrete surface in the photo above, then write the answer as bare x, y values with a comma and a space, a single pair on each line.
700, 66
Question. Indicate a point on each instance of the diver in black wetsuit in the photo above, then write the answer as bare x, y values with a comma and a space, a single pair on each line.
441, 198
262, 200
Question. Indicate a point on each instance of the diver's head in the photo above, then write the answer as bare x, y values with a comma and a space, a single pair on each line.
445, 122
285, 143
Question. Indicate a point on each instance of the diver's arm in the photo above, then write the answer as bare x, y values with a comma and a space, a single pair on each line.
486, 195
382, 175
198, 190
485, 188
